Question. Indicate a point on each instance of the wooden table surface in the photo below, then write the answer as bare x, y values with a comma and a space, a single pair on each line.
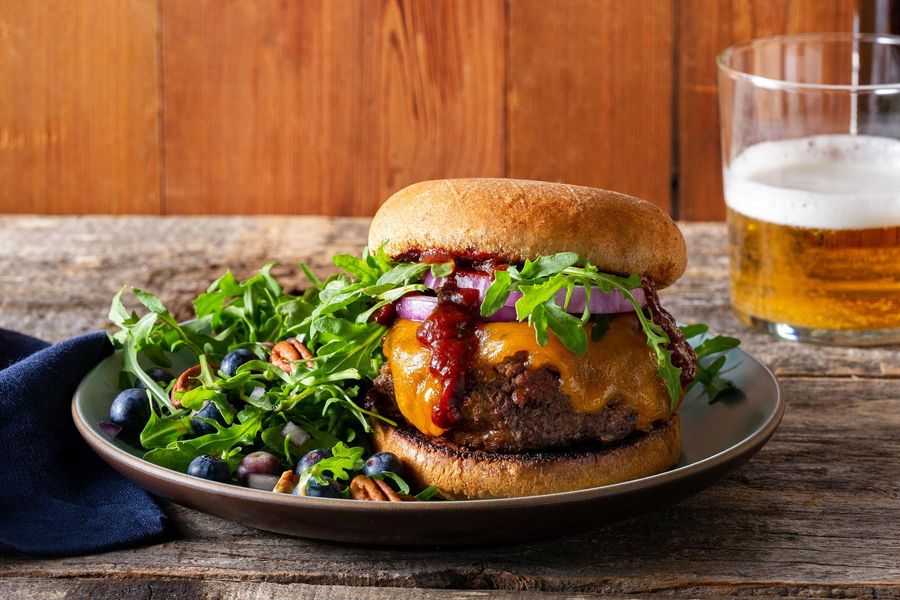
815, 513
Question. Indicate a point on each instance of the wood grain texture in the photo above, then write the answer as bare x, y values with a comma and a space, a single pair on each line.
706, 28
811, 515
311, 107
79, 107
590, 94
326, 107
147, 588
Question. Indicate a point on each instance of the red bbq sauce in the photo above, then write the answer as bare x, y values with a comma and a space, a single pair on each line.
449, 332
471, 260
384, 315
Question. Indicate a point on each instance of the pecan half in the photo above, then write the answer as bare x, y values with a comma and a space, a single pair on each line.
286, 483
286, 354
187, 381
368, 488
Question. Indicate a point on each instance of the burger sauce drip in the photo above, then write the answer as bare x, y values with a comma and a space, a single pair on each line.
683, 355
470, 260
449, 332
386, 315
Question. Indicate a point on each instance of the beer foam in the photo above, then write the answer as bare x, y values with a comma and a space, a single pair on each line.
822, 182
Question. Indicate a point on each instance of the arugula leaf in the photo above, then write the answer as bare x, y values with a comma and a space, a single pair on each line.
599, 326
567, 328
340, 465
714, 386
117, 312
349, 345
443, 269
428, 493
692, 331
536, 294
544, 266
497, 294
538, 321
150, 301
131, 364
156, 306
179, 454
309, 275
403, 272
159, 432
715, 345
356, 266
402, 486
195, 399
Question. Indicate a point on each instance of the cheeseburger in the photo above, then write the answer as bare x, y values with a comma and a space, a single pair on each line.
538, 358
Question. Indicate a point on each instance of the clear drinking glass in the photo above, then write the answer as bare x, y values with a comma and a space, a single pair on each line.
811, 163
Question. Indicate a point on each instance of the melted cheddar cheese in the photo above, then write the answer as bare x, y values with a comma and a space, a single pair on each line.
620, 366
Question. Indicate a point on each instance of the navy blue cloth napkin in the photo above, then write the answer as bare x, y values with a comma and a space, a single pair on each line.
56, 496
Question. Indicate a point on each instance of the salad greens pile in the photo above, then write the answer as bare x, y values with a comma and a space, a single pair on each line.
263, 406
321, 397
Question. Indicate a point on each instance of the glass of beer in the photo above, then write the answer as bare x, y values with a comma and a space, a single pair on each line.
811, 164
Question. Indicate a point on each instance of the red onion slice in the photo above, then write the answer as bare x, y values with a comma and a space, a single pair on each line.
416, 307
258, 481
600, 303
297, 436
464, 279
110, 428
506, 314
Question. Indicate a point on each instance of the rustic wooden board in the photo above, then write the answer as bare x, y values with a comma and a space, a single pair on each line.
590, 94
704, 30
79, 108
326, 107
176, 589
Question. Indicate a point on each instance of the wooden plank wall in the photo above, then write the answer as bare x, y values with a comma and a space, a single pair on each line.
79, 107
590, 94
706, 27
325, 107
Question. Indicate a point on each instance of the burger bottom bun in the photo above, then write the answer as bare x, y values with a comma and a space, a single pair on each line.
461, 474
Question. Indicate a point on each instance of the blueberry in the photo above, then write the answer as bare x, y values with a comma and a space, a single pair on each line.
331, 489
235, 359
207, 467
130, 410
209, 411
311, 458
383, 461
260, 463
161, 376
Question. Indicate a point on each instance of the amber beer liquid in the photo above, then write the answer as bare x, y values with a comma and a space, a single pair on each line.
814, 234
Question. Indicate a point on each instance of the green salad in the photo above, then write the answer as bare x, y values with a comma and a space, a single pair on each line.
272, 396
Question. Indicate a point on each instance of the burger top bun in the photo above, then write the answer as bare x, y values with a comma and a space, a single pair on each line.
517, 219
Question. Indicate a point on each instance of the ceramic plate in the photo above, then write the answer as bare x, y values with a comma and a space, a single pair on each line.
717, 439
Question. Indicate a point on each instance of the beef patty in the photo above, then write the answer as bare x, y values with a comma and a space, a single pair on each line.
511, 408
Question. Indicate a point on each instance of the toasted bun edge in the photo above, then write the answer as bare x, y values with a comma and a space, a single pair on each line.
463, 474
521, 219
